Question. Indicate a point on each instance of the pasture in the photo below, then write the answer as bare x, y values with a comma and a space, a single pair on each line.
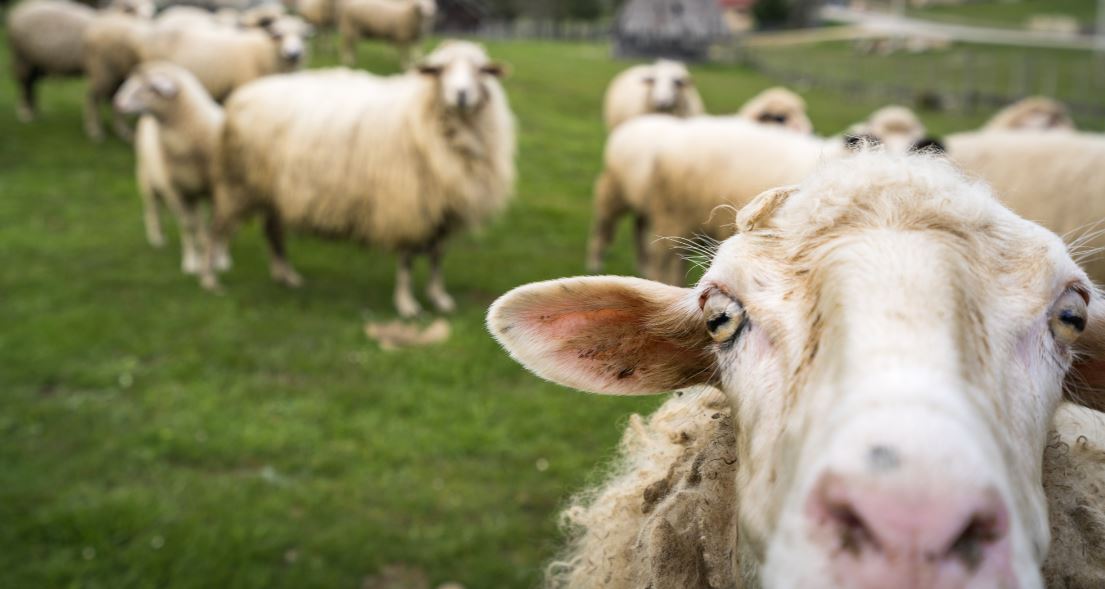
155, 435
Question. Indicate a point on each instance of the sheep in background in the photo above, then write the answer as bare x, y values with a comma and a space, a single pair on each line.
319, 13
1053, 178
399, 162
778, 106
661, 87
672, 174
1032, 113
402, 23
174, 146
112, 49
790, 322
226, 58
46, 39
183, 17
897, 127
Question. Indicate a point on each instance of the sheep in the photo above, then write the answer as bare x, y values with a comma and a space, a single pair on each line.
185, 17
225, 58
222, 58
46, 39
778, 106
400, 22
661, 87
174, 147
319, 13
1035, 113
672, 174
895, 126
398, 162
871, 370
1050, 177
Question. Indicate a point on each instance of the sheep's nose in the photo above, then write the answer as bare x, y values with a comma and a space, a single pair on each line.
877, 535
462, 98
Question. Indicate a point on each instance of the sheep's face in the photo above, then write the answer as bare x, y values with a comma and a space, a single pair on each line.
463, 74
151, 90
289, 34
778, 106
893, 342
1037, 115
896, 127
667, 83
144, 9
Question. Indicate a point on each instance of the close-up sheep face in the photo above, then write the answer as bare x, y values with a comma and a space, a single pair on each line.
463, 73
149, 90
666, 82
893, 343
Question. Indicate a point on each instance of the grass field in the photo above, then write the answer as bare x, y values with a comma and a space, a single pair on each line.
1008, 13
153, 435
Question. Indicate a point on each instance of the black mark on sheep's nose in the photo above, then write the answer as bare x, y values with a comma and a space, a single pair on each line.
882, 458
462, 98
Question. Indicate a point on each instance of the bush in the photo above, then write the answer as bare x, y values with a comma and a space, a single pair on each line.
771, 14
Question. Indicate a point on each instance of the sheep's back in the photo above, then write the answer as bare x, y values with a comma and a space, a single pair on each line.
1053, 178
50, 34
382, 17
329, 150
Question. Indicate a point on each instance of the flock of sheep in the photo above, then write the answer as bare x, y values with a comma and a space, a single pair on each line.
832, 235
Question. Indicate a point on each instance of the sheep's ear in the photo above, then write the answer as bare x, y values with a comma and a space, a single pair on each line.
604, 334
497, 69
164, 86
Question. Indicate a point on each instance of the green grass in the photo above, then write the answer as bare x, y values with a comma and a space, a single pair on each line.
153, 435
1008, 13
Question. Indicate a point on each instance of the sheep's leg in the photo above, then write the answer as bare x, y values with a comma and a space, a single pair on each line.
151, 215
609, 207
664, 263
435, 289
348, 46
279, 267
191, 258
27, 75
640, 241
121, 126
405, 302
93, 127
405, 55
225, 216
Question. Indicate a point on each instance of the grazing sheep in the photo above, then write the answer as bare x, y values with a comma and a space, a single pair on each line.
664, 87
400, 22
1055, 179
112, 49
1033, 113
673, 175
399, 162
185, 17
778, 106
174, 145
46, 39
889, 346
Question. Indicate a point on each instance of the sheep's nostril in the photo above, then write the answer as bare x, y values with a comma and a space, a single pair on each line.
852, 532
981, 531
462, 98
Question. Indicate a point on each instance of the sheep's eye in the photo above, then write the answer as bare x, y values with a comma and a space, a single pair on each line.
650, 80
725, 318
1068, 316
679, 82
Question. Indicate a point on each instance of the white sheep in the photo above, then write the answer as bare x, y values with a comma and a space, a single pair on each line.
662, 87
46, 39
1053, 178
223, 58
1032, 113
174, 148
319, 13
399, 162
673, 174
872, 369
897, 127
402, 23
778, 106
186, 17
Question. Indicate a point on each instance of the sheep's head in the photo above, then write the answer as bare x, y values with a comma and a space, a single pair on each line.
289, 35
144, 9
262, 16
463, 75
895, 127
893, 342
1034, 113
667, 83
428, 8
152, 89
778, 106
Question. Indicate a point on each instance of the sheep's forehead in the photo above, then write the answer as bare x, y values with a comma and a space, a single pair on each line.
459, 52
908, 193
669, 70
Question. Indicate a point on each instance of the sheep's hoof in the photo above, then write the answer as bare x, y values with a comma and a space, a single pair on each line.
594, 267
25, 115
211, 284
283, 274
223, 262
156, 240
96, 135
190, 266
442, 301
407, 306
